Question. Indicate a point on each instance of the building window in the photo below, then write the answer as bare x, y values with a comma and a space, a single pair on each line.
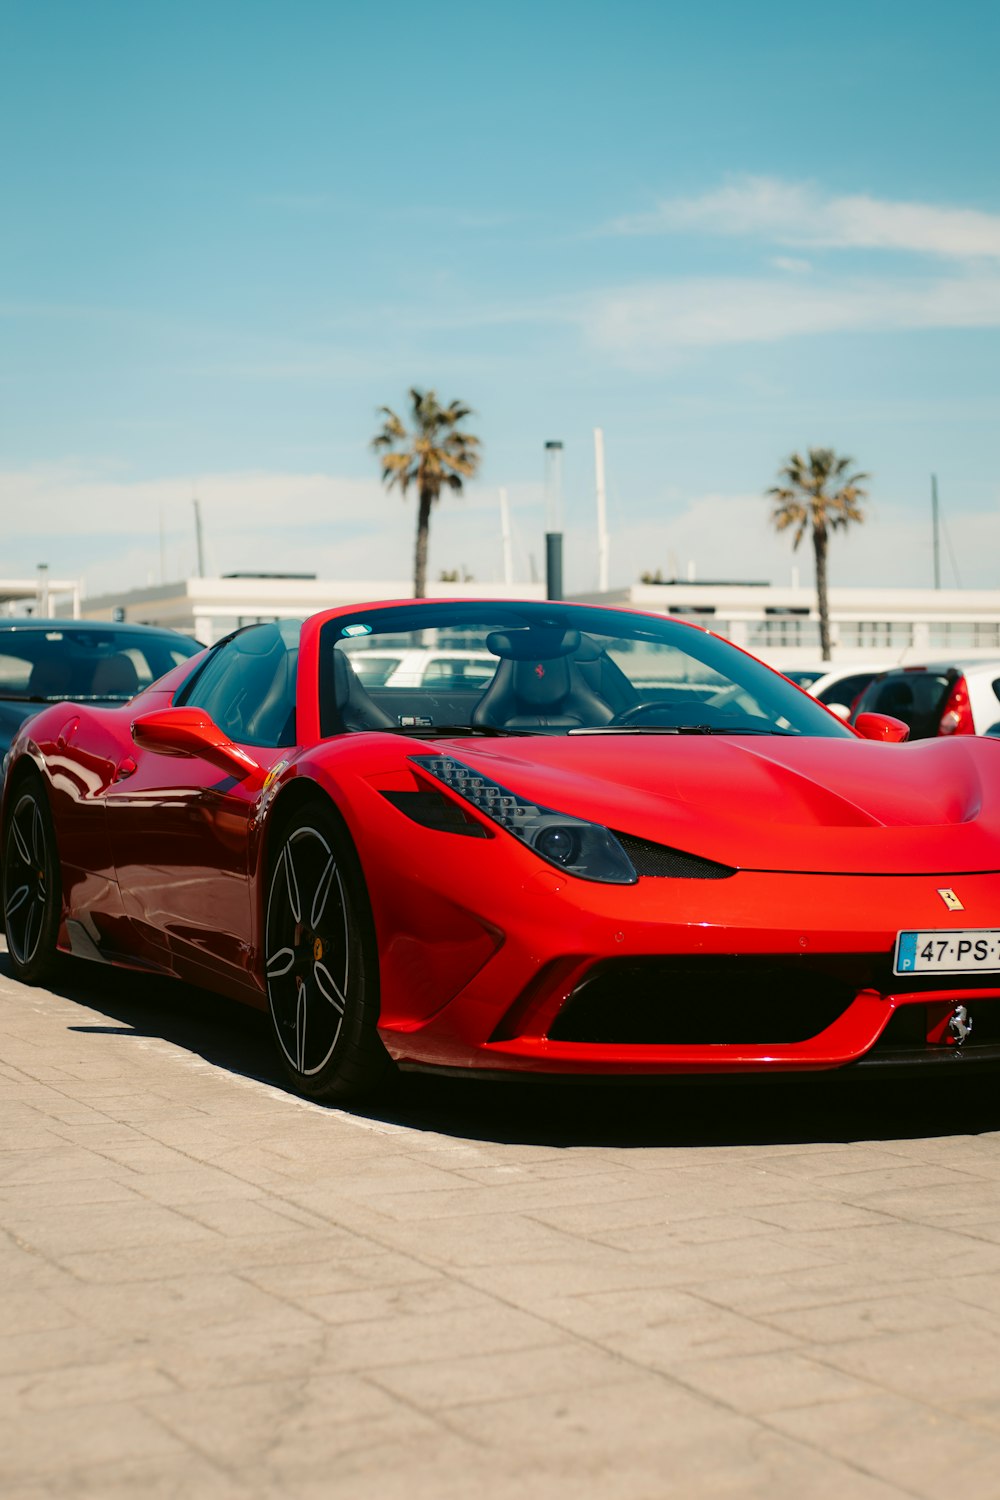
782, 630
964, 633
893, 633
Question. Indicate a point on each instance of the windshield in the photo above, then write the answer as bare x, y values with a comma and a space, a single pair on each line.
46, 664
549, 668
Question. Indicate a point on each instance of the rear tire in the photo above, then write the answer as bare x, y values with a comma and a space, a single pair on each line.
32, 888
320, 961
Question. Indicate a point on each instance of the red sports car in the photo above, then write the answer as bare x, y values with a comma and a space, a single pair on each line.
634, 850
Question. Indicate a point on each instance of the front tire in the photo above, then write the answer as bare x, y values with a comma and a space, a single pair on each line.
32, 889
320, 961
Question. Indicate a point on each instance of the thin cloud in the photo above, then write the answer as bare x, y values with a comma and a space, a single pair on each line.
341, 528
116, 533
727, 536
793, 263
802, 216
647, 324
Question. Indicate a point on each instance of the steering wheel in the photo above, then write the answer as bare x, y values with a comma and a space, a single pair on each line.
729, 697
639, 712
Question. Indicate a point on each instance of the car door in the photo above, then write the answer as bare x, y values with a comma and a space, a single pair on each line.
179, 825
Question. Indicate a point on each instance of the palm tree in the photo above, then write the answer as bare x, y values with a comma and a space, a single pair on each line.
820, 494
435, 455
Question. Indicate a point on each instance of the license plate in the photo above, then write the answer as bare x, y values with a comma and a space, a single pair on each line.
976, 951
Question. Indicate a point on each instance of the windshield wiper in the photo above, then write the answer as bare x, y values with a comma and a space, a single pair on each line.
64, 698
449, 731
680, 729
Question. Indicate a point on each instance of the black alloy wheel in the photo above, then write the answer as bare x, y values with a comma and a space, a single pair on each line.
320, 961
32, 892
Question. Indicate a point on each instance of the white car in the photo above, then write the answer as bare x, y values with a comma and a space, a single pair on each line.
842, 686
423, 667
803, 677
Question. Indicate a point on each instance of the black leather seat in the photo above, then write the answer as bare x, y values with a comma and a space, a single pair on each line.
604, 676
272, 722
354, 708
539, 684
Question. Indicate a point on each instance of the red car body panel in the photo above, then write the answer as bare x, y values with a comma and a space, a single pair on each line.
837, 844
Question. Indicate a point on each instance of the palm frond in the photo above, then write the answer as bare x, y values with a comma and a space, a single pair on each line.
433, 454
818, 494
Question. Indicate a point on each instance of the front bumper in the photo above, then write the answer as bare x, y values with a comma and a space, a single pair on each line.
828, 938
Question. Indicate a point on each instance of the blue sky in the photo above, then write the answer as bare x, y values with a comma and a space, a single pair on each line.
231, 231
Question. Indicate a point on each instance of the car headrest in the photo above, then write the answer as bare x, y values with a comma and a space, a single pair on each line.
532, 642
49, 678
115, 677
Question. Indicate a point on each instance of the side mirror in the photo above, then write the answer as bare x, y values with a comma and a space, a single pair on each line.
882, 727
190, 732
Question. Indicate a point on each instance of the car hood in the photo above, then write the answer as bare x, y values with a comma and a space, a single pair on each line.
769, 803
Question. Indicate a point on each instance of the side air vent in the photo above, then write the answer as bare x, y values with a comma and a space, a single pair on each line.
660, 860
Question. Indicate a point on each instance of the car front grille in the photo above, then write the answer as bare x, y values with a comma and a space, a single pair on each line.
704, 1001
775, 999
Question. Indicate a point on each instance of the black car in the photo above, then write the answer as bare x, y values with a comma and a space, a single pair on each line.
87, 661
938, 698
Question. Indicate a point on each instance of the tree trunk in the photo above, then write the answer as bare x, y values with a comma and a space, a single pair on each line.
420, 553
819, 547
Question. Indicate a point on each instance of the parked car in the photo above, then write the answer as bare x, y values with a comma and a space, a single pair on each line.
804, 677
841, 687
88, 661
423, 667
939, 698
637, 852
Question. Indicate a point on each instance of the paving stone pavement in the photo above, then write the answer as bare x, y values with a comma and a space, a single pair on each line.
214, 1289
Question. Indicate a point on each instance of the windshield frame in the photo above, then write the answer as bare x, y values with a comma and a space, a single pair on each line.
713, 652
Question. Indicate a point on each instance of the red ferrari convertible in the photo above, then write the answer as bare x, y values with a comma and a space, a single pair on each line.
627, 849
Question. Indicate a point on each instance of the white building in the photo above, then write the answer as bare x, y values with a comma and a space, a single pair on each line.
208, 608
40, 595
779, 623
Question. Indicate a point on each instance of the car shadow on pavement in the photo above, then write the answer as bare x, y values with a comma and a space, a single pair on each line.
637, 1113
708, 1113
139, 1004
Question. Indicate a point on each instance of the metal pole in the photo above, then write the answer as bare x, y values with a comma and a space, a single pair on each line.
43, 590
198, 539
602, 512
935, 522
553, 565
553, 520
508, 563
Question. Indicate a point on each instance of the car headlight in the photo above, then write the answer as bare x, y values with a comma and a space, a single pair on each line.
587, 850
